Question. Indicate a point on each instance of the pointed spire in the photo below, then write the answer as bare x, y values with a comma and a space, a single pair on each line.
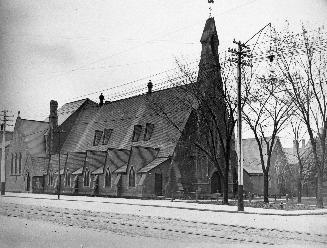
209, 67
210, 42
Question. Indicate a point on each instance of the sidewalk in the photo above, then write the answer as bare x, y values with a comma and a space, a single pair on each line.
176, 204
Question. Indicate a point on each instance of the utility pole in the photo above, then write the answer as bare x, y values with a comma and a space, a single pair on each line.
3, 151
241, 53
59, 131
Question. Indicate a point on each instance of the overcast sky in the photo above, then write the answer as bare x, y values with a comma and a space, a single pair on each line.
64, 50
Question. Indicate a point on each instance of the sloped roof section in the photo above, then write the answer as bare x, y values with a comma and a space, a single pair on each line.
95, 160
122, 169
162, 108
251, 155
153, 164
117, 158
75, 160
33, 134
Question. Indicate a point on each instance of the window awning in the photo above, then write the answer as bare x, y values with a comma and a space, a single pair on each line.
78, 172
152, 165
122, 169
97, 171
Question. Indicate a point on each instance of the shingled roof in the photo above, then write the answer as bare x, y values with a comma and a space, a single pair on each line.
121, 116
75, 161
33, 134
251, 156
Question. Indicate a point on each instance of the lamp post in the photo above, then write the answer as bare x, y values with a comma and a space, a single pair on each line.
59, 178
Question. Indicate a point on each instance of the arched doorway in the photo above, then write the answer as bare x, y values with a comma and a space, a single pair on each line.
216, 183
28, 181
158, 184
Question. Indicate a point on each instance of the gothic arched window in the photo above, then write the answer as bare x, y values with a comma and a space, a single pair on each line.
16, 163
131, 177
86, 177
12, 164
107, 178
20, 164
67, 178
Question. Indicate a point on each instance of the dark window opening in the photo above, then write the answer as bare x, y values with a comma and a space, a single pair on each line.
137, 133
86, 178
12, 164
67, 178
107, 179
20, 164
106, 136
16, 163
148, 131
97, 137
131, 178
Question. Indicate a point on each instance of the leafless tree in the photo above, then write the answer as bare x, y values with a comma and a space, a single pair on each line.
301, 61
266, 113
212, 96
300, 157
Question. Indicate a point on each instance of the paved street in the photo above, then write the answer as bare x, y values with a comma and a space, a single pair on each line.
168, 228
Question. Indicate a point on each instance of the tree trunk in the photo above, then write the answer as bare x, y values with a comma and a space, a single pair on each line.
299, 190
299, 183
235, 181
265, 187
320, 203
225, 192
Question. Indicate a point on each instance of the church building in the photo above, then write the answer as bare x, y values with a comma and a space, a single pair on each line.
141, 146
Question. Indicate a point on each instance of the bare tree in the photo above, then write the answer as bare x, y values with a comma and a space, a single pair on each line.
212, 97
302, 61
300, 157
266, 113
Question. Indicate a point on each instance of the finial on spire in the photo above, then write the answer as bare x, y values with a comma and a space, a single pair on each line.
210, 2
18, 116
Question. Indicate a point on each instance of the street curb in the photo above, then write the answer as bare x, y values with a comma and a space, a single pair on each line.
174, 207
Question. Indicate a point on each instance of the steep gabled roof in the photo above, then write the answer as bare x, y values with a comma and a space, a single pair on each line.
251, 155
123, 115
33, 135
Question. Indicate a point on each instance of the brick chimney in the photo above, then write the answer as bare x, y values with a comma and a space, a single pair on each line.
101, 98
150, 86
303, 143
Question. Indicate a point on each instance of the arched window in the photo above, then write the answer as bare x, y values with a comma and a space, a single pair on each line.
86, 178
20, 164
67, 178
15, 163
107, 178
131, 177
50, 178
12, 164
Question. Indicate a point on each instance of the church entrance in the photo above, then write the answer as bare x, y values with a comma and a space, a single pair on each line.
216, 183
